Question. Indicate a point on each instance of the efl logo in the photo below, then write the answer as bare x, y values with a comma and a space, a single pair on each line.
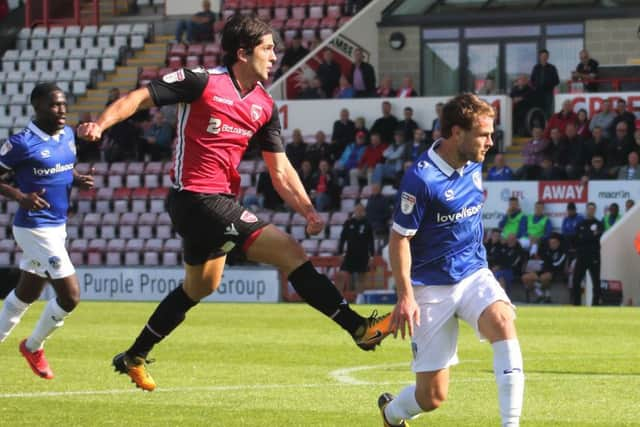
562, 192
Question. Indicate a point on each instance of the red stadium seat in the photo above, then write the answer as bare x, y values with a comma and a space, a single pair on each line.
178, 49
277, 24
280, 14
174, 62
212, 49
293, 24
298, 12
195, 50
311, 23
210, 61
334, 11
282, 3
192, 62
329, 22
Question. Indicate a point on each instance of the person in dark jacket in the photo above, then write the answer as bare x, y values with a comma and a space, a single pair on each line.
544, 79
343, 134
358, 237
329, 73
378, 212
553, 264
587, 241
362, 76
325, 191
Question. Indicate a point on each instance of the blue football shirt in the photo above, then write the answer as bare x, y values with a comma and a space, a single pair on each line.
41, 161
441, 208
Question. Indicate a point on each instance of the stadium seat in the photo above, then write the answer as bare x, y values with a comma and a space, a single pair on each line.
41, 63
54, 38
146, 223
10, 60
150, 258
5, 259
105, 35
90, 225
310, 246
71, 36
121, 198
350, 192
128, 221
22, 40
192, 61
169, 259
77, 257
110, 57
92, 58
173, 245
209, 61
157, 197
328, 247
25, 61
174, 62
79, 245
7, 245
85, 200
139, 198
335, 224
38, 36
281, 218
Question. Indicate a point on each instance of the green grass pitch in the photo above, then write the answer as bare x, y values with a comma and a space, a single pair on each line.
286, 365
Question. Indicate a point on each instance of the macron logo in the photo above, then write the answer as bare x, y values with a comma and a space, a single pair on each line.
457, 216
54, 170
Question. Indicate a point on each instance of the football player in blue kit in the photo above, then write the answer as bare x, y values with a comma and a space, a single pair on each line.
440, 268
41, 159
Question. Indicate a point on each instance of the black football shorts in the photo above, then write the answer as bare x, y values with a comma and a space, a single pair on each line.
210, 224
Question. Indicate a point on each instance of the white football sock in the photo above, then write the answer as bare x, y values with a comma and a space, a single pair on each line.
403, 407
52, 318
509, 371
12, 311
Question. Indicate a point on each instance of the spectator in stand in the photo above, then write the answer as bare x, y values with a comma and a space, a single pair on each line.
489, 86
570, 225
578, 153
632, 169
636, 141
306, 175
587, 255
510, 265
379, 212
544, 79
345, 90
87, 151
267, 194
311, 89
623, 116
351, 156
354, 6
414, 148
362, 76
582, 124
358, 236
561, 118
553, 267
532, 154
612, 215
586, 72
329, 73
558, 148
628, 205
494, 245
325, 191
521, 94
343, 133
549, 172
499, 171
407, 124
199, 27
295, 52
596, 144
618, 148
392, 165
360, 126
386, 89
598, 171
319, 150
296, 149
603, 119
385, 125
514, 221
158, 139
407, 90
370, 159
539, 226
435, 125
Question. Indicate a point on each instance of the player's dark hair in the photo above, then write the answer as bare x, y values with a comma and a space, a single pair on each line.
591, 204
513, 199
42, 90
242, 32
462, 111
543, 51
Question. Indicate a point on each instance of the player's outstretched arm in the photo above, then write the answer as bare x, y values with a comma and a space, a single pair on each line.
120, 110
406, 312
288, 185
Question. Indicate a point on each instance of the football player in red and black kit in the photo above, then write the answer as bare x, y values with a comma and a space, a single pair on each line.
219, 111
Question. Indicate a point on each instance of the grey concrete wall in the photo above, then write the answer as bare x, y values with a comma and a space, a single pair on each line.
400, 63
613, 41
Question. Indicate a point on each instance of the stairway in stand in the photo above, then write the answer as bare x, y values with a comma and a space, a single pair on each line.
124, 78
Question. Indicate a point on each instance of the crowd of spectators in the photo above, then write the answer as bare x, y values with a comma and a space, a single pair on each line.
525, 249
574, 146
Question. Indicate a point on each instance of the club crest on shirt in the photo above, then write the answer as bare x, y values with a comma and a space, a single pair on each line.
6, 147
55, 262
477, 180
256, 112
176, 76
407, 202
248, 217
449, 195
